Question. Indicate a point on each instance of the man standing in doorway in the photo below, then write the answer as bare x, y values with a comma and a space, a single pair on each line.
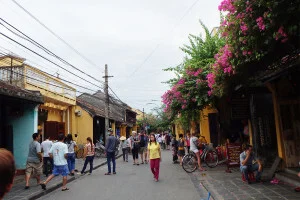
59, 153
46, 146
34, 163
110, 148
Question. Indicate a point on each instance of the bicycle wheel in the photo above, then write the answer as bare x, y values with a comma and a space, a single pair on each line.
211, 158
189, 163
79, 153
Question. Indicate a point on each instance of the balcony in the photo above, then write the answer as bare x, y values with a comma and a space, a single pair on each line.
14, 71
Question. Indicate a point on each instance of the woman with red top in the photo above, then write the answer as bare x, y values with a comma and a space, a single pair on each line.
89, 153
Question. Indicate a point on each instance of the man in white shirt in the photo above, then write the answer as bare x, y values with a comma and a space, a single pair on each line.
59, 153
46, 146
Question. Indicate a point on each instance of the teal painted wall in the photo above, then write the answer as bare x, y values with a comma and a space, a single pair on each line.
23, 128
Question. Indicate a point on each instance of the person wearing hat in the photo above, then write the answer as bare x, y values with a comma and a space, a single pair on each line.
110, 148
125, 148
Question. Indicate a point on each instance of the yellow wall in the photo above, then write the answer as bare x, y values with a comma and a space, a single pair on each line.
81, 125
277, 119
135, 127
178, 130
54, 115
123, 130
204, 123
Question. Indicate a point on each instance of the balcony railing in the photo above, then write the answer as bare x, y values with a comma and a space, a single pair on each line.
31, 78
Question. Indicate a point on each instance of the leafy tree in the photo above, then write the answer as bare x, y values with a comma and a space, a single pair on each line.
189, 91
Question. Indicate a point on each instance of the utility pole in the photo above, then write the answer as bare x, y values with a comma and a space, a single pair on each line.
106, 98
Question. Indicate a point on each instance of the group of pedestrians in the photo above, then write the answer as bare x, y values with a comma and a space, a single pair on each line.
55, 158
144, 146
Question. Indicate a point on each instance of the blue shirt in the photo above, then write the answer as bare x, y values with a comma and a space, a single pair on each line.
111, 144
243, 157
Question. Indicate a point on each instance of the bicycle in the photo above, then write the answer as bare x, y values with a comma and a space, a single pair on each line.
209, 155
80, 151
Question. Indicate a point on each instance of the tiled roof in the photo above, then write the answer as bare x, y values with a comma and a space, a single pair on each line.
17, 92
95, 105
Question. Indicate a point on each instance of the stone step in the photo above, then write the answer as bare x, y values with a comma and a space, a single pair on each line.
289, 178
293, 171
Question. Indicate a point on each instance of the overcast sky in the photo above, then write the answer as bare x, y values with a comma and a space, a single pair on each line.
119, 33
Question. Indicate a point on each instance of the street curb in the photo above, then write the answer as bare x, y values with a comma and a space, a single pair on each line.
51, 189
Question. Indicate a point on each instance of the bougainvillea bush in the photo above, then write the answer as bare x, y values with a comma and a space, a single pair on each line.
252, 30
189, 91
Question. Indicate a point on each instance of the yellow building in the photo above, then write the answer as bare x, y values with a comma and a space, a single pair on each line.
89, 117
207, 125
54, 114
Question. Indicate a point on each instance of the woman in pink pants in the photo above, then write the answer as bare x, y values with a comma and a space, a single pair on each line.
154, 156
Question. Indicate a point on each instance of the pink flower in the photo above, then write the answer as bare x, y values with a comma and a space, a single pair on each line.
211, 80
260, 23
181, 81
244, 28
281, 32
227, 5
209, 92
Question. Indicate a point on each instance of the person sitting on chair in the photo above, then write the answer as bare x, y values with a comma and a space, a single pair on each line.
246, 161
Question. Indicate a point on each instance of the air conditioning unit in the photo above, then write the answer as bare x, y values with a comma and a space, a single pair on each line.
78, 113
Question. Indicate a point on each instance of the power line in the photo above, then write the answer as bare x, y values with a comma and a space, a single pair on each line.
44, 48
35, 63
54, 34
159, 44
47, 59
57, 78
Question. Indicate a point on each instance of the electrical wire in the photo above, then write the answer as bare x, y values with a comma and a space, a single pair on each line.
47, 59
54, 34
159, 44
56, 77
43, 48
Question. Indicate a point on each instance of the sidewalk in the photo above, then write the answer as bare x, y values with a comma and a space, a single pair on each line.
225, 186
35, 191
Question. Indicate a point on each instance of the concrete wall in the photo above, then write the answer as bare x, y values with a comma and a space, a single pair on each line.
23, 128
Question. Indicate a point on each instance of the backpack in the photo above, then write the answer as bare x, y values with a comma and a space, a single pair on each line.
142, 141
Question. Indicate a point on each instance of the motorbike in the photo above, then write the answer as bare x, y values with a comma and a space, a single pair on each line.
100, 149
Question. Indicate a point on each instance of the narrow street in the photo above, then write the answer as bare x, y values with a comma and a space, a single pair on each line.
132, 183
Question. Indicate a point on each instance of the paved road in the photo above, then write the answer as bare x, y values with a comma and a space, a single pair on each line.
132, 183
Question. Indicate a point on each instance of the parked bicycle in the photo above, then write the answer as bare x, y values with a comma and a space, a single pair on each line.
209, 156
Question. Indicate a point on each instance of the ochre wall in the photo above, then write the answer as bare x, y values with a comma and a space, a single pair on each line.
81, 125
204, 122
54, 115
